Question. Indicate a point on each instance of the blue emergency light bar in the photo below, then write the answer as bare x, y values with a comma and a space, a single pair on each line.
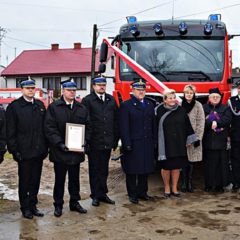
131, 19
215, 17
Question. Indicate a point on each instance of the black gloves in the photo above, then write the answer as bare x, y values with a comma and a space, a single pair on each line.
115, 145
196, 144
86, 148
63, 147
128, 148
17, 157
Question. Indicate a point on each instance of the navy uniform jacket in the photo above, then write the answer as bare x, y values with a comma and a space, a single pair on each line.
103, 121
58, 114
25, 132
138, 129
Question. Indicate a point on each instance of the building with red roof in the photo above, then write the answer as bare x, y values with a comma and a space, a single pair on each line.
49, 67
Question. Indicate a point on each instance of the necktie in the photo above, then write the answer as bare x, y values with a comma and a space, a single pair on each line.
101, 97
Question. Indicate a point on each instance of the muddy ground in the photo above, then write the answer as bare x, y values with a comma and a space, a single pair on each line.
195, 216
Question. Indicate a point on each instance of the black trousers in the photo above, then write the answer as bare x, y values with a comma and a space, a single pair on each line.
216, 168
235, 161
61, 170
29, 173
98, 161
137, 185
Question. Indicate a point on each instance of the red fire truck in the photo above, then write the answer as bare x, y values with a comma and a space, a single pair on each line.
7, 95
171, 54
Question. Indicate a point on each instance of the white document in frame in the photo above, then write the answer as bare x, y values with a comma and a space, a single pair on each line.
75, 137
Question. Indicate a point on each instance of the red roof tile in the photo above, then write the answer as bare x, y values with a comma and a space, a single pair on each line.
61, 61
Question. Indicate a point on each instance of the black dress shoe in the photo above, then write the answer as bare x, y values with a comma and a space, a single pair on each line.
219, 190
37, 213
27, 214
235, 187
78, 208
133, 200
145, 197
58, 212
167, 195
207, 189
176, 194
95, 202
106, 199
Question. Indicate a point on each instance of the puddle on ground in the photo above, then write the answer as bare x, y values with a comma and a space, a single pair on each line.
200, 219
222, 211
94, 231
170, 232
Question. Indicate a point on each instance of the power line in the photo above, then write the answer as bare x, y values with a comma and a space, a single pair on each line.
145, 10
212, 10
20, 40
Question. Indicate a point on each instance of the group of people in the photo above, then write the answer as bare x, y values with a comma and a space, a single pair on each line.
176, 134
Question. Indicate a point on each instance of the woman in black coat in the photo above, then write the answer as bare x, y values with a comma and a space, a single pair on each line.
174, 134
218, 118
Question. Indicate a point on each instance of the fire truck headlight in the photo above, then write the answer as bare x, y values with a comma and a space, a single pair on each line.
182, 27
134, 30
208, 28
158, 29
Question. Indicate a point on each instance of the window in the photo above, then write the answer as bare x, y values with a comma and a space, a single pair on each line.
81, 82
51, 83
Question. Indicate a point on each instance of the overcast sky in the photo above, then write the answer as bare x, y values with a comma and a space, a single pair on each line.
36, 24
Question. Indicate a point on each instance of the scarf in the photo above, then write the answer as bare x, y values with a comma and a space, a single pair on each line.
188, 106
161, 142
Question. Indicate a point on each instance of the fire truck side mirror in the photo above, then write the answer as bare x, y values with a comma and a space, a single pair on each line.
103, 52
102, 67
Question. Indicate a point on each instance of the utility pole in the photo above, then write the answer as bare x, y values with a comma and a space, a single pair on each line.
94, 43
3, 32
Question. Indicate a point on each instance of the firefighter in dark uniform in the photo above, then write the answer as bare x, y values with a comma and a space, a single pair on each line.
65, 110
234, 104
3, 139
137, 126
104, 137
27, 144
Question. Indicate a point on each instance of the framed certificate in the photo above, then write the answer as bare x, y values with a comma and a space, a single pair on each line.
75, 135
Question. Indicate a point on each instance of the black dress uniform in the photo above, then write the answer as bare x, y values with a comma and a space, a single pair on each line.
3, 140
27, 144
215, 145
104, 137
138, 133
58, 114
234, 104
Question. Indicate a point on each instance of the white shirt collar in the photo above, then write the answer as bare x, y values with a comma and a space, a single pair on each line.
103, 96
31, 101
68, 103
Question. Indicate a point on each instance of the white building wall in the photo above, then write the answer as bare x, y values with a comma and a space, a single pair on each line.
109, 73
2, 79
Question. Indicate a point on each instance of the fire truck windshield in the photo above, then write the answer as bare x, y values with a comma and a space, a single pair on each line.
176, 60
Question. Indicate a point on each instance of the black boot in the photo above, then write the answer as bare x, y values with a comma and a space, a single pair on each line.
190, 175
184, 179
